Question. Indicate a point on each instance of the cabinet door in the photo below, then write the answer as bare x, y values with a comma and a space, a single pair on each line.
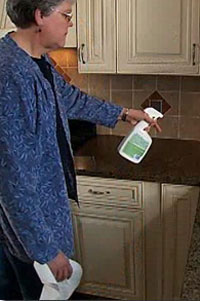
110, 192
109, 246
179, 205
156, 36
5, 24
96, 36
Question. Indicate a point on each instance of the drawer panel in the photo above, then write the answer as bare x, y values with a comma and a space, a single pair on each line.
122, 193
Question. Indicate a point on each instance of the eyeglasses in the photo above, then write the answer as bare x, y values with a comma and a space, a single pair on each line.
67, 16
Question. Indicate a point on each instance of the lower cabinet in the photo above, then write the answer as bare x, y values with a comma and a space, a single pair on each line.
178, 208
131, 242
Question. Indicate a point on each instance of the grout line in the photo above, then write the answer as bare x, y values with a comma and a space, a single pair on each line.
110, 96
133, 99
151, 90
179, 108
132, 93
156, 87
89, 84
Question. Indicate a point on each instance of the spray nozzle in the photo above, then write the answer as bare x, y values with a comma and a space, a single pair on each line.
153, 113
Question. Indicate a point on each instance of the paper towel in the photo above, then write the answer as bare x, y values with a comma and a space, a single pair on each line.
53, 290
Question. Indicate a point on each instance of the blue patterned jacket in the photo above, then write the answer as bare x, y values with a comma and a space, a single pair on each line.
35, 217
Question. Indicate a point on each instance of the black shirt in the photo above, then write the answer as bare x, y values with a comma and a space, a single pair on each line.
65, 153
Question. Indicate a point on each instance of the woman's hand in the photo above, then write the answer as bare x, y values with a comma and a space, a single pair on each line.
134, 116
60, 267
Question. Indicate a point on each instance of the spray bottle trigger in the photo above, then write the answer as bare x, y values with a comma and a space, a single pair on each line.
153, 113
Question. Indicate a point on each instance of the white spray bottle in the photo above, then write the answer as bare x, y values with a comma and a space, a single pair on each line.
135, 146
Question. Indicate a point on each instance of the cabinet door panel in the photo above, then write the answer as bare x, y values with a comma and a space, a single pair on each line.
109, 246
156, 36
178, 212
97, 36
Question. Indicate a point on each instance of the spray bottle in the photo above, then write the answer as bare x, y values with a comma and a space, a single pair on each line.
135, 146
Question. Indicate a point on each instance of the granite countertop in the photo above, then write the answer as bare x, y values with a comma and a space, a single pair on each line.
167, 161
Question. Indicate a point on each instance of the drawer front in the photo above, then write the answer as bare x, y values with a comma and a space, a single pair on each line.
122, 193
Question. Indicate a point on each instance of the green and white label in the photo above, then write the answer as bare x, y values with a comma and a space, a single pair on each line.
135, 147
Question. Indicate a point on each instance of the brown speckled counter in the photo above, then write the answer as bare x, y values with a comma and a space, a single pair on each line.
168, 161
191, 284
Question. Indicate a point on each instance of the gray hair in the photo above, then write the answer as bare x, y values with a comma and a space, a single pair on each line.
22, 12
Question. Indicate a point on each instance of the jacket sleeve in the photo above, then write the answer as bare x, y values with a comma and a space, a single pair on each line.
79, 105
18, 173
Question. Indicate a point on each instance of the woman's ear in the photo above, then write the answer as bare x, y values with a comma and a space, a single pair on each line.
39, 17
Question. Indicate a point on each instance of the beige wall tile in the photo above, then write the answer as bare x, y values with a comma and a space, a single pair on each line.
122, 129
144, 82
190, 83
190, 128
72, 58
65, 57
169, 127
99, 82
122, 98
182, 93
168, 83
79, 80
139, 97
121, 82
60, 56
190, 104
101, 94
173, 100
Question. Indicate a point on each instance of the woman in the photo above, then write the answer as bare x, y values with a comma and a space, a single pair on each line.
37, 176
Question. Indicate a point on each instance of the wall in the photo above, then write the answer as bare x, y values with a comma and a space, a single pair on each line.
181, 92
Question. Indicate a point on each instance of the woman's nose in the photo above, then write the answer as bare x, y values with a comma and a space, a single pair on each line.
71, 24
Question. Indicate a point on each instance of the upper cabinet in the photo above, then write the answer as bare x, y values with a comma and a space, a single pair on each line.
97, 35
156, 36
139, 36
6, 25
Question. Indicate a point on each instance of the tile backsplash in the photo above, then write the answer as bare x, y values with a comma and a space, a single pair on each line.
181, 92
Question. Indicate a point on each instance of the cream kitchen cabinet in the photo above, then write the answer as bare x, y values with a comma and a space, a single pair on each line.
6, 25
96, 36
156, 36
132, 237
113, 241
178, 207
146, 36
